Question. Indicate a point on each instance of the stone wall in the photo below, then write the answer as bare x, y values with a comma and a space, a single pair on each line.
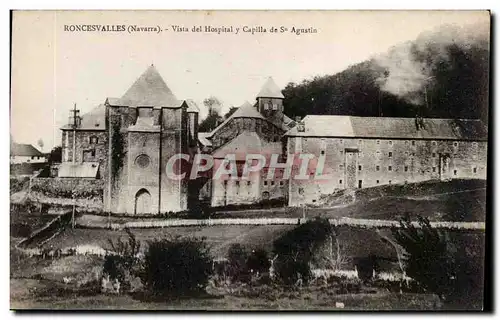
65, 187
351, 163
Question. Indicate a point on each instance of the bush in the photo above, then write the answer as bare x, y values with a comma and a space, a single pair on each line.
296, 248
365, 267
442, 264
176, 266
258, 261
237, 257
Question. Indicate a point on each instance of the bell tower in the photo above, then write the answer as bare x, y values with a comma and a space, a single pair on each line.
270, 102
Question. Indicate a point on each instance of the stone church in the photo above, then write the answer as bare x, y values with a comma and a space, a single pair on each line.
127, 141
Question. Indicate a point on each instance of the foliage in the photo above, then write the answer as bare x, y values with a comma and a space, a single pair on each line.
177, 266
295, 249
230, 112
122, 261
210, 122
459, 86
237, 257
55, 155
365, 267
443, 263
258, 261
117, 151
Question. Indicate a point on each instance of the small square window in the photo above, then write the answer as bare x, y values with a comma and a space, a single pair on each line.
433, 154
433, 169
389, 168
359, 168
265, 182
322, 152
434, 143
406, 168
390, 154
377, 168
413, 143
474, 170
341, 141
248, 183
378, 181
390, 142
378, 141
455, 172
282, 182
390, 181
340, 181
272, 182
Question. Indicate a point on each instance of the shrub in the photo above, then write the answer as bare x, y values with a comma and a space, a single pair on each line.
258, 261
176, 266
442, 264
237, 257
296, 248
365, 267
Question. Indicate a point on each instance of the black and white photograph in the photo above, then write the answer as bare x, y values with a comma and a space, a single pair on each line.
249, 160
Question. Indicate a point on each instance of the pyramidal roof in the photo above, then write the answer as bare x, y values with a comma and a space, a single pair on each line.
270, 90
149, 90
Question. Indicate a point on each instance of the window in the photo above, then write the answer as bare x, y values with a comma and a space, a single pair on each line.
389, 168
390, 142
341, 141
322, 152
275, 106
340, 181
237, 183
93, 140
378, 181
378, 141
433, 169
434, 143
359, 168
248, 183
32, 157
455, 172
390, 154
433, 154
378, 168
413, 143
282, 183
272, 182
474, 170
455, 144
265, 182
406, 168
390, 181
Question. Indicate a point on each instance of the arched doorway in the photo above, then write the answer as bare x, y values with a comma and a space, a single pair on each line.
142, 202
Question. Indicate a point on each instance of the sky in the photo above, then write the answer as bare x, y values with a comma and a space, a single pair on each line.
52, 68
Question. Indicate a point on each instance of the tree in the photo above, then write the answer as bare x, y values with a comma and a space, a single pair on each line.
213, 104
230, 112
210, 122
40, 144
55, 155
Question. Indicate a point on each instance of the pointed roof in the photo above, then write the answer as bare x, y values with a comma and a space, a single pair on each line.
270, 90
246, 110
149, 90
191, 106
25, 150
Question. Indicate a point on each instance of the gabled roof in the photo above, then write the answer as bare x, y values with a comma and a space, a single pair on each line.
270, 90
191, 106
247, 142
385, 127
149, 90
93, 120
246, 110
24, 150
78, 170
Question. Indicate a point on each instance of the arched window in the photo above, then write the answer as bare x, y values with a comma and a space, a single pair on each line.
93, 140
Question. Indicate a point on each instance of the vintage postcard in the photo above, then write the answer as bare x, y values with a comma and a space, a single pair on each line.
249, 160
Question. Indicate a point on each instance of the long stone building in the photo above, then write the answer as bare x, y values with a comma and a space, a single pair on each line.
361, 152
128, 141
